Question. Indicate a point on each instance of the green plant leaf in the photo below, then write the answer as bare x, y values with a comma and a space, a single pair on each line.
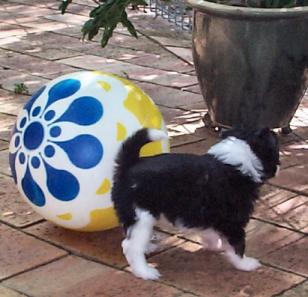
109, 13
21, 88
253, 3
89, 29
107, 34
64, 4
142, 2
127, 23
107, 16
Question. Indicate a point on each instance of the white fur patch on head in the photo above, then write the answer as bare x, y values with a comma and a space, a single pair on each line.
155, 134
237, 152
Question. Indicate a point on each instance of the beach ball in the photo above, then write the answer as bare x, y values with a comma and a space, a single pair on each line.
65, 141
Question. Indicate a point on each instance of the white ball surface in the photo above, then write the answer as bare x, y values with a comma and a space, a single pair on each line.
65, 141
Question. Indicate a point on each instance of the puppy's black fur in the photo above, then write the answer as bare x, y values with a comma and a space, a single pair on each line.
197, 191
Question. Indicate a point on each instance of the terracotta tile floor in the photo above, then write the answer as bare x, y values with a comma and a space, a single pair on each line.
39, 259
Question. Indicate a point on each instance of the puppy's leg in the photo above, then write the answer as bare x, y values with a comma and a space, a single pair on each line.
235, 251
153, 245
135, 245
151, 248
211, 240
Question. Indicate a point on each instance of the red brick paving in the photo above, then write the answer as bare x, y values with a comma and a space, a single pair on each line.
13, 208
38, 259
208, 274
292, 257
74, 276
20, 252
6, 292
100, 246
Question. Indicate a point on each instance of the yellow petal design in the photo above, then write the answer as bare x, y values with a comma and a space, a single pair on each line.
152, 148
121, 132
104, 187
66, 216
142, 108
101, 219
148, 115
106, 86
98, 72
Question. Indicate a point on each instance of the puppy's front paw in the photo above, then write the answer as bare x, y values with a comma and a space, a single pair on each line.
248, 264
147, 273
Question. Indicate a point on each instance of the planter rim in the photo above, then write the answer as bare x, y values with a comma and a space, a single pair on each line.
238, 11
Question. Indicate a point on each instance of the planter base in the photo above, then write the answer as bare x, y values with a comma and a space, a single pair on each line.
208, 123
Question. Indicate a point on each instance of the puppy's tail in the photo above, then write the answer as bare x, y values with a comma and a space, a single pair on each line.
129, 152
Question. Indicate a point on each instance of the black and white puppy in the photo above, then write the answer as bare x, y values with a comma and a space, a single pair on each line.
214, 193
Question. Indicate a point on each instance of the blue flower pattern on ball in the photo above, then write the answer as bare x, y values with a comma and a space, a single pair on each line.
36, 139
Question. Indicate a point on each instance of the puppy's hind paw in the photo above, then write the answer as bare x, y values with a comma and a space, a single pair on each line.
248, 264
148, 273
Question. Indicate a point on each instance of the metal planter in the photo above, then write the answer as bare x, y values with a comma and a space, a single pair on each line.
252, 64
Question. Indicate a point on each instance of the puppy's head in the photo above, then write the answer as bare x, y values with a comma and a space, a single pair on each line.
264, 143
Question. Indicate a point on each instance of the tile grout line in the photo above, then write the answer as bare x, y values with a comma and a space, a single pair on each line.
163, 46
51, 8
18, 291
167, 86
86, 69
264, 200
39, 76
165, 250
136, 80
285, 245
32, 224
78, 53
290, 288
80, 255
301, 138
71, 252
298, 136
138, 30
175, 287
34, 267
7, 113
305, 276
288, 189
121, 61
89, 258
188, 143
266, 263
279, 226
179, 107
291, 165
131, 61
281, 216
263, 262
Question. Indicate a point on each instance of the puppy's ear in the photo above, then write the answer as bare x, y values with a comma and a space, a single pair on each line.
266, 134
